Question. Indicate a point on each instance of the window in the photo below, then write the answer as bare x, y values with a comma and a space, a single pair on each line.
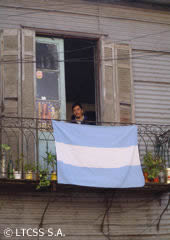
64, 75
50, 83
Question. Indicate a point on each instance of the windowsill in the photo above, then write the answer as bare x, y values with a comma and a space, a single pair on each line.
14, 185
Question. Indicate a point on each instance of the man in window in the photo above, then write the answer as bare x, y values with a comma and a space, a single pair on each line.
78, 114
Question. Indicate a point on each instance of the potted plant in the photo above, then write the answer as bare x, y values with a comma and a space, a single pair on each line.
29, 169
43, 178
153, 175
51, 161
145, 173
17, 169
153, 165
4, 148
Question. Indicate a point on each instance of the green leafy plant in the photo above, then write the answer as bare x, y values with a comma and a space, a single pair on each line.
29, 167
5, 147
43, 181
152, 165
18, 162
3, 163
50, 159
10, 169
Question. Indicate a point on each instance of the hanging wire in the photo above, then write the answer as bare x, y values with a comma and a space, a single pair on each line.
99, 16
86, 60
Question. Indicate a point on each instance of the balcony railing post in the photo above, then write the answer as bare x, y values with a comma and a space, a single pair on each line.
37, 144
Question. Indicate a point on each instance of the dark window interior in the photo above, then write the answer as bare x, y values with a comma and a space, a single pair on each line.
79, 75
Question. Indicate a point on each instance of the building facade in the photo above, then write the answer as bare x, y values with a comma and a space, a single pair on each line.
114, 58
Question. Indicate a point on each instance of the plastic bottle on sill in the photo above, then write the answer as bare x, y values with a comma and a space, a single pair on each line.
3, 166
162, 177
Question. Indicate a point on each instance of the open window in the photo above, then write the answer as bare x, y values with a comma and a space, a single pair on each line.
65, 74
80, 75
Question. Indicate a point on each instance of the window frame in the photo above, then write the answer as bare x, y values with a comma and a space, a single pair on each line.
97, 57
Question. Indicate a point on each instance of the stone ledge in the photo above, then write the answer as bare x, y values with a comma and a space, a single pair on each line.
8, 185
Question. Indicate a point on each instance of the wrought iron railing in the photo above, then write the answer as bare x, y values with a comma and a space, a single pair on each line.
29, 140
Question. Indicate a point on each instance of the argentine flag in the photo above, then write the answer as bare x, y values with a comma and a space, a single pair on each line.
97, 156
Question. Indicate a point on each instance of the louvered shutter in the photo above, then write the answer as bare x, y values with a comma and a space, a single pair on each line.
117, 83
17, 82
10, 71
125, 83
28, 92
109, 88
28, 73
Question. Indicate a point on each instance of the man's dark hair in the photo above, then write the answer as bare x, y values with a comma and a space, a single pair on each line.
76, 104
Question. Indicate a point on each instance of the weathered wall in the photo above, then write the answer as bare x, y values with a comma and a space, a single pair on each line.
139, 27
146, 30
151, 75
81, 214
132, 216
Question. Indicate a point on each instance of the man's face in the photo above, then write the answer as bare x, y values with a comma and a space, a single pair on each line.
78, 112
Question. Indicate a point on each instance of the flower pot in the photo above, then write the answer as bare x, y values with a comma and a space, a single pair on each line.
29, 175
17, 174
53, 176
156, 180
146, 177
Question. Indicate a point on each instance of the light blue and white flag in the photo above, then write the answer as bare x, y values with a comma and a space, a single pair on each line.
97, 156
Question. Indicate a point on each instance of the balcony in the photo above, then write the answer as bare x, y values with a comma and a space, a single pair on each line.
28, 142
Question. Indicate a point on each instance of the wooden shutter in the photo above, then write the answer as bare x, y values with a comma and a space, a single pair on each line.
17, 82
28, 92
10, 71
125, 83
28, 73
109, 87
117, 83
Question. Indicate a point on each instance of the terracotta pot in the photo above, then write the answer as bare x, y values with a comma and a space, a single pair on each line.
156, 180
146, 177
